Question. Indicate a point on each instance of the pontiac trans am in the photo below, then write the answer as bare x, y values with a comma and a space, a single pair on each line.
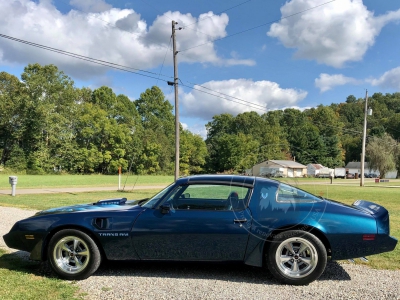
256, 221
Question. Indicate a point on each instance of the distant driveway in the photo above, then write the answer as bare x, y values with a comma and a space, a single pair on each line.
78, 189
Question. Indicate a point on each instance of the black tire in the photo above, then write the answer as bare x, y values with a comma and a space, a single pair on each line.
296, 257
73, 255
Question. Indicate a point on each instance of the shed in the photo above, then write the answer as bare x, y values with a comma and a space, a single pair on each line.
287, 168
314, 169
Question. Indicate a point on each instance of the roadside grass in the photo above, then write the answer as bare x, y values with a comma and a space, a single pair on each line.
46, 201
20, 280
387, 197
60, 181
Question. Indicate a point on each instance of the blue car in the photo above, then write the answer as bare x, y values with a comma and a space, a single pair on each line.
256, 221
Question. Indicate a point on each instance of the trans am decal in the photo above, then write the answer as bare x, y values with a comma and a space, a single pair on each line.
106, 234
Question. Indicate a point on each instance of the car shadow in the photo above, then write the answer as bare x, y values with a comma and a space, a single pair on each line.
234, 272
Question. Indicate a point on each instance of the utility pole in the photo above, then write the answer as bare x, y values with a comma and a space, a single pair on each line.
363, 140
176, 101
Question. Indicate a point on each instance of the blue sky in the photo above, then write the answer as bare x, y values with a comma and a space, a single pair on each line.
271, 54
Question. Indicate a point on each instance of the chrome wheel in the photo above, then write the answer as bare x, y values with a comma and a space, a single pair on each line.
71, 254
296, 257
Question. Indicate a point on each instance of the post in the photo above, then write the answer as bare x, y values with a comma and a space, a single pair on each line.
119, 178
364, 139
176, 102
13, 181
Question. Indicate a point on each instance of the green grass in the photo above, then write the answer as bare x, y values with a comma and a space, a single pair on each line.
46, 201
51, 181
20, 280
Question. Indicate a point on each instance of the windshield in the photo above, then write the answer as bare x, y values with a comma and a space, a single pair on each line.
153, 200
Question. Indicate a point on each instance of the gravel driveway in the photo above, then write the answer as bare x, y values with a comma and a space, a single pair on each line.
138, 280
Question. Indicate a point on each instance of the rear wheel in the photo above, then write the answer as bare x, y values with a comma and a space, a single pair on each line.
73, 255
296, 257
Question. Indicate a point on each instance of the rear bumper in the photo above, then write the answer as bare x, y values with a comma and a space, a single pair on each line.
354, 249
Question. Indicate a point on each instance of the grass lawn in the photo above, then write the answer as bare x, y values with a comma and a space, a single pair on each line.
21, 280
46, 201
51, 181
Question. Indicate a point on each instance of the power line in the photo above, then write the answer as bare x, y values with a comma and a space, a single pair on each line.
204, 87
208, 17
164, 59
249, 29
126, 69
85, 58
252, 104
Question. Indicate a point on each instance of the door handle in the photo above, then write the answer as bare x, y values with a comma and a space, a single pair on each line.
239, 220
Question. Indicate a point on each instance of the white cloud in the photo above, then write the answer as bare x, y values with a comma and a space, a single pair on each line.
326, 82
259, 95
117, 35
390, 79
332, 34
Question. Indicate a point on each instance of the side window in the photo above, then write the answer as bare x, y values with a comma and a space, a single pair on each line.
287, 193
209, 197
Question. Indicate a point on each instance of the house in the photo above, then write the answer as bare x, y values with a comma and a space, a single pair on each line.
285, 168
314, 169
355, 167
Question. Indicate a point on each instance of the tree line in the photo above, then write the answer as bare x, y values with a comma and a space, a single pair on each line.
47, 124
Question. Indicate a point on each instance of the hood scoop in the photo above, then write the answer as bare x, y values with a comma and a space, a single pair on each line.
116, 201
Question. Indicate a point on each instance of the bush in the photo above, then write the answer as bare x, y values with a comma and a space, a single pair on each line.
17, 161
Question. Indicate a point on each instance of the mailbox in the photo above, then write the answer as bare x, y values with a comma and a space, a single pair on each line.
13, 181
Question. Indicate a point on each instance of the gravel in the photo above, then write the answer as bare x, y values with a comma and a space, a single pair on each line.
150, 280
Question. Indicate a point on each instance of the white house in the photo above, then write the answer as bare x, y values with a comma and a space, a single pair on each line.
314, 169
287, 168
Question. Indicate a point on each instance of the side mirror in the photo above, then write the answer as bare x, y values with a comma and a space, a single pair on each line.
165, 208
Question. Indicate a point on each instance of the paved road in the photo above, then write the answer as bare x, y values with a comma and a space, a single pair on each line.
77, 189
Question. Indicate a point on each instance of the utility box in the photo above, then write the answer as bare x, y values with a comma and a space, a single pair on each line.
13, 181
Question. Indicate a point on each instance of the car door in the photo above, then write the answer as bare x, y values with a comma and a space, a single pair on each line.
196, 222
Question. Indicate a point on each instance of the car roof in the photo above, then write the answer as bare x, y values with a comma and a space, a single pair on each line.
218, 179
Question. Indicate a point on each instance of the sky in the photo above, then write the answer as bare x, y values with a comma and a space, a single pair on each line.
233, 56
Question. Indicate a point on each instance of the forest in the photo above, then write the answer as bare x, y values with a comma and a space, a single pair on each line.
48, 125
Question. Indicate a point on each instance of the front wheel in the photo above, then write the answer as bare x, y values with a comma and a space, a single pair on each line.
73, 254
296, 257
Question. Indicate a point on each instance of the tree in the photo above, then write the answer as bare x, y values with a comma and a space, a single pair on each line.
219, 125
382, 154
52, 113
232, 152
13, 114
330, 130
193, 152
158, 129
351, 99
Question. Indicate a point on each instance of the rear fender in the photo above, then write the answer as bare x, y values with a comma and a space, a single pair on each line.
380, 214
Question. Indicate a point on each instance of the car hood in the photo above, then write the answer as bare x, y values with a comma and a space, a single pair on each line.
103, 205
